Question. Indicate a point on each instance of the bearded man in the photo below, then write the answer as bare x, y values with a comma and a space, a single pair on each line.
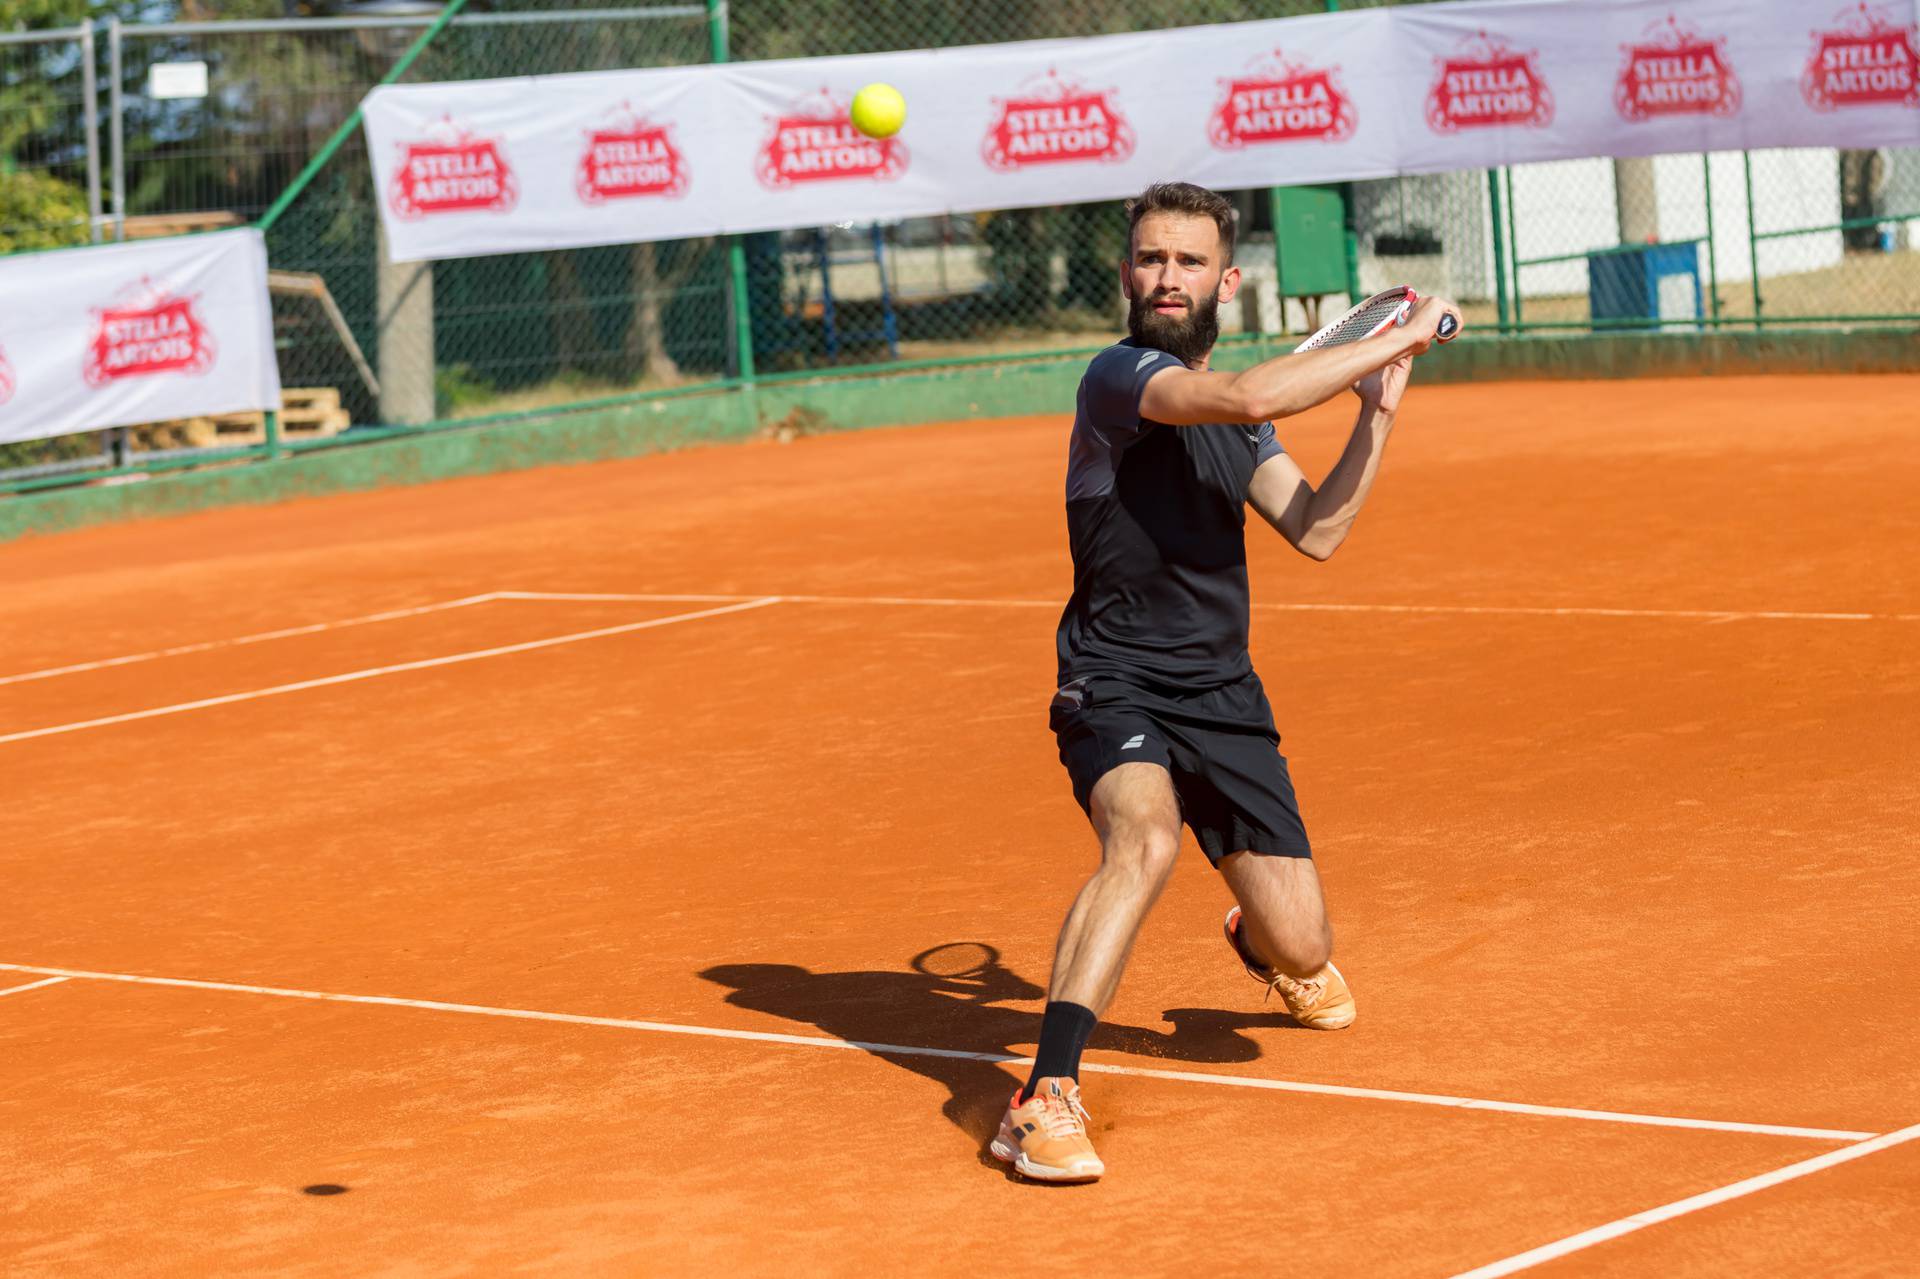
1159, 715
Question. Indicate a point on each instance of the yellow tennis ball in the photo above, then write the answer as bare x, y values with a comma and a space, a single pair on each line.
879, 111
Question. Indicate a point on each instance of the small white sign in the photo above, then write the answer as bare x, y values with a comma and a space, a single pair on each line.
177, 80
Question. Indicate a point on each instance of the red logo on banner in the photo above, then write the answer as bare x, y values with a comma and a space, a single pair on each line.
1677, 71
815, 142
6, 377
1488, 85
634, 158
153, 332
1281, 101
1867, 61
453, 173
1056, 120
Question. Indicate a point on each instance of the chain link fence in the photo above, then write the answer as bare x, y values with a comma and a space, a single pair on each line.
1676, 242
1693, 242
489, 333
44, 142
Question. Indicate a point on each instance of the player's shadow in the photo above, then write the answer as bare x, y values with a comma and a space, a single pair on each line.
968, 1013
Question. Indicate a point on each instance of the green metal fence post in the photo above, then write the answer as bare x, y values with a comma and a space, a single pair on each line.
1713, 257
273, 433
1352, 238
1753, 236
1513, 246
739, 296
1499, 249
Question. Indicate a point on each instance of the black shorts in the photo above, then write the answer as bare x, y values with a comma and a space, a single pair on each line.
1219, 746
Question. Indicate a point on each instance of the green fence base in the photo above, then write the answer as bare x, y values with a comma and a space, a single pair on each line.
962, 392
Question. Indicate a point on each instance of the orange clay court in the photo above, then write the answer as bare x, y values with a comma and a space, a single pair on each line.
524, 874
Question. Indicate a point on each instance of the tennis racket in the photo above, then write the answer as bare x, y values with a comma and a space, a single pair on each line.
1377, 314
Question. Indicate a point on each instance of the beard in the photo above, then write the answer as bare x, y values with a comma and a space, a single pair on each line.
1186, 338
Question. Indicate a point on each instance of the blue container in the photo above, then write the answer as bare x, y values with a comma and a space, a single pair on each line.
1624, 284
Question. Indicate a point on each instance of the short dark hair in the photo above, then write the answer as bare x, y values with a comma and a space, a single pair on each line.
1184, 197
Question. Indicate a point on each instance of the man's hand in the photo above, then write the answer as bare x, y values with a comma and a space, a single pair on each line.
1381, 389
1422, 327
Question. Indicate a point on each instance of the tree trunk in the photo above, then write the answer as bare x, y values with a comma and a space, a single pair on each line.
1863, 177
572, 325
646, 347
1636, 201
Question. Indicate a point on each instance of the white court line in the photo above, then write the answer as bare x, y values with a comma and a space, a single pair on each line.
931, 601
1490, 610
34, 985
617, 598
1681, 1207
1709, 615
903, 1050
208, 645
372, 672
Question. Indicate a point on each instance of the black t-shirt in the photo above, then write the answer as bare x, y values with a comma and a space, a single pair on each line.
1156, 517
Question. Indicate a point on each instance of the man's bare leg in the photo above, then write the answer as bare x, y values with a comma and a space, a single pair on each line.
1282, 910
1043, 1133
1283, 934
1138, 820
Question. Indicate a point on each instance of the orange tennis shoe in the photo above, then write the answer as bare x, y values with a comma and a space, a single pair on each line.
1046, 1136
1319, 1002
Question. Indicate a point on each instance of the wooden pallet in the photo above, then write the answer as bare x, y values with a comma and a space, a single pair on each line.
311, 413
306, 413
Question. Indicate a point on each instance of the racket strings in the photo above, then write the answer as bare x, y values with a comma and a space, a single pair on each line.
1362, 322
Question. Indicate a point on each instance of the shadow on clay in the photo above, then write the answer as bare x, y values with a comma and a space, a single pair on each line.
957, 997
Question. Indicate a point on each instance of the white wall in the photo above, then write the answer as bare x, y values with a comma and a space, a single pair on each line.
1568, 207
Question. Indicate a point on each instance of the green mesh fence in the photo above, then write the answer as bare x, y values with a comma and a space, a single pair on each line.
1731, 239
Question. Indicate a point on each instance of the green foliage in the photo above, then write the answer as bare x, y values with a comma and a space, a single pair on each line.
61, 448
30, 99
1042, 261
39, 211
457, 390
39, 15
811, 28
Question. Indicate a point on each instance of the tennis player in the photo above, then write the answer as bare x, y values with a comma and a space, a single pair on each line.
1159, 716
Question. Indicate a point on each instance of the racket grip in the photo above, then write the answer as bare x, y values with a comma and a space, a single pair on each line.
1448, 327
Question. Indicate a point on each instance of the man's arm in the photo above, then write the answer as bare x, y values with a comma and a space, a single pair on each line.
1316, 522
1286, 384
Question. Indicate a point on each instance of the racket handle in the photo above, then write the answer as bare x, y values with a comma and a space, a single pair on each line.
1448, 327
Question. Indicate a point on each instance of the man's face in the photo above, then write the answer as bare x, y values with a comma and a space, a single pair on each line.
1175, 282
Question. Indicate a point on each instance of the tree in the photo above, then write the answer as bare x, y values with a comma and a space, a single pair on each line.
39, 211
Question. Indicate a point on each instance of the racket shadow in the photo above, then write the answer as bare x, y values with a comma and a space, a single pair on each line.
989, 1009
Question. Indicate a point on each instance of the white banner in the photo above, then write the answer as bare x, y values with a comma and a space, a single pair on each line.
1540, 80
119, 334
610, 157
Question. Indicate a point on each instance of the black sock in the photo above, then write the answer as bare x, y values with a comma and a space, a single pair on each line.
1064, 1031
